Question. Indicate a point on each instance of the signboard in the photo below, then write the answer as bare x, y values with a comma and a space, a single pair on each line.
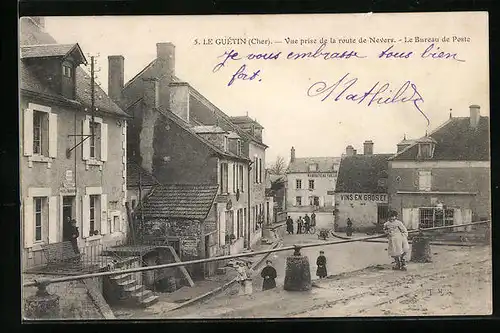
372, 197
322, 175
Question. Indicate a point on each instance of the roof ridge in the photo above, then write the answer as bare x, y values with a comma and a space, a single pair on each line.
129, 82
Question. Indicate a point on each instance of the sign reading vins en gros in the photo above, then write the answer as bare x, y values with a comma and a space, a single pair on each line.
378, 197
320, 175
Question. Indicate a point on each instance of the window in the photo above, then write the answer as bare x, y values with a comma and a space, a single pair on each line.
298, 201
424, 180
94, 213
256, 169
313, 167
94, 140
425, 150
38, 132
260, 170
239, 147
235, 178
225, 143
433, 217
67, 71
242, 185
95, 148
224, 178
298, 184
38, 219
311, 184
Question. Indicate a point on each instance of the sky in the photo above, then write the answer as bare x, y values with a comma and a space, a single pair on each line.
279, 96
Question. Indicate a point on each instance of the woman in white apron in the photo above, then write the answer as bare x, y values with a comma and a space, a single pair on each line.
397, 235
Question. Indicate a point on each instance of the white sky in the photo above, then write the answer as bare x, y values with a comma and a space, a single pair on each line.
279, 102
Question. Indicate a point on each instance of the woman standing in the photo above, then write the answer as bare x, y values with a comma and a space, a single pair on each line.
349, 227
398, 240
241, 277
321, 263
269, 275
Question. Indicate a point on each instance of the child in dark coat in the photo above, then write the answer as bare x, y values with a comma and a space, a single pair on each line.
321, 263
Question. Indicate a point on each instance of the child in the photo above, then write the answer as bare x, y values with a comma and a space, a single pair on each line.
321, 263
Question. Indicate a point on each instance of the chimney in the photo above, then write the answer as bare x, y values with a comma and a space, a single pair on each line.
292, 155
349, 150
368, 147
165, 54
474, 115
150, 92
179, 99
147, 123
115, 76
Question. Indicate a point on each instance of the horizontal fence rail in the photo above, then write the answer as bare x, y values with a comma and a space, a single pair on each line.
41, 283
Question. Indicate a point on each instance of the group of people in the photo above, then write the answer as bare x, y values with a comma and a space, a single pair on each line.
244, 277
303, 224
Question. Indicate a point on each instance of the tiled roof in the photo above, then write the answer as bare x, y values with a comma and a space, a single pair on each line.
133, 172
51, 50
301, 164
361, 174
244, 120
456, 140
185, 201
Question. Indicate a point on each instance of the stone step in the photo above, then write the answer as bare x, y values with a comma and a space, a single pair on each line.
148, 301
121, 276
133, 288
127, 283
142, 294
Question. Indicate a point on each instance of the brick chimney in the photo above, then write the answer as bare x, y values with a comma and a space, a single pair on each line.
475, 115
148, 122
349, 150
115, 76
292, 155
165, 55
368, 147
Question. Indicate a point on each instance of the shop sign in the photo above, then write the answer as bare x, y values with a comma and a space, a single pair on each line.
371, 197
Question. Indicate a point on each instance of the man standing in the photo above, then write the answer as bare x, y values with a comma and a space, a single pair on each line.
289, 225
299, 225
307, 223
73, 235
313, 219
269, 275
397, 235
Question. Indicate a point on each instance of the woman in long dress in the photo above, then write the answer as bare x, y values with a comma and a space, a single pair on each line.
321, 263
397, 235
269, 275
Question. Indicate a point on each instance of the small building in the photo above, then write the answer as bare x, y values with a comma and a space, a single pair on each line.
443, 178
183, 216
361, 192
310, 187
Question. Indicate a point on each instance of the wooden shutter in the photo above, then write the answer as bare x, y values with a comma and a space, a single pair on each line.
104, 214
104, 142
321, 201
28, 133
53, 135
85, 216
28, 222
86, 142
457, 218
467, 218
415, 218
230, 177
407, 218
53, 220
222, 228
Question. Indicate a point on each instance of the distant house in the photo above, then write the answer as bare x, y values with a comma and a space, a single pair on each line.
443, 178
184, 216
361, 191
310, 187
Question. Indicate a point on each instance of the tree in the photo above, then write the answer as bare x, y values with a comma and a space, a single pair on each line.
278, 167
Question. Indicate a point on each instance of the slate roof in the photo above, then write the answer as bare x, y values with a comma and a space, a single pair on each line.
52, 50
133, 172
185, 201
456, 140
244, 120
361, 173
301, 164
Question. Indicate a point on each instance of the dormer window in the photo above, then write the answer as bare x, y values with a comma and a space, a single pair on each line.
67, 70
225, 143
313, 167
425, 150
239, 147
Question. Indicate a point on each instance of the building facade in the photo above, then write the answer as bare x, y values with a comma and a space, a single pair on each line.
310, 187
444, 177
361, 192
62, 178
180, 137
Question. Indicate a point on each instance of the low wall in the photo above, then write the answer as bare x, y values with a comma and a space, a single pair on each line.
74, 299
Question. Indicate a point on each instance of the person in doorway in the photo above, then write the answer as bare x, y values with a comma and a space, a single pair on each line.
74, 234
289, 225
300, 224
307, 223
397, 235
269, 275
349, 227
313, 219
321, 263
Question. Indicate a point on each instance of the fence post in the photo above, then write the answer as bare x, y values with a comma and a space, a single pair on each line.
297, 272
42, 305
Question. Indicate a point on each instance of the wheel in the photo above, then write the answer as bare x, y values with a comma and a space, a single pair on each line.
312, 230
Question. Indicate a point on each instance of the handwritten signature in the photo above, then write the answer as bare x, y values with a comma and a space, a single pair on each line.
378, 94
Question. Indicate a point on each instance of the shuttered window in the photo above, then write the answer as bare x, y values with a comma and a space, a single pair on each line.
424, 180
40, 132
38, 218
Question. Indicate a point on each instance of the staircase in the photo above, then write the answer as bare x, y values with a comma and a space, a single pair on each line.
131, 293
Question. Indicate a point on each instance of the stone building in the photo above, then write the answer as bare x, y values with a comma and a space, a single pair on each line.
61, 178
443, 178
310, 187
182, 138
361, 192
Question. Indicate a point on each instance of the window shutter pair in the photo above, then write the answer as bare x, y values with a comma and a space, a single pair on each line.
29, 221
28, 133
230, 178
86, 143
103, 215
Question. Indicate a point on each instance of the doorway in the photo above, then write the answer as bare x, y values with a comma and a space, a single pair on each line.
382, 213
67, 213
